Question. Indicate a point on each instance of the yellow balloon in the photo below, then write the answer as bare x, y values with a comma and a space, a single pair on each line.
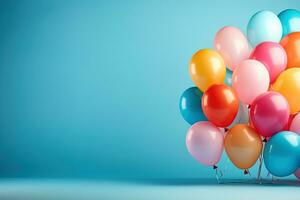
288, 84
207, 68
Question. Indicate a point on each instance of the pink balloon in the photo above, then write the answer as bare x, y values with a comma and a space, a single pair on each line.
295, 125
297, 173
269, 113
273, 56
233, 46
204, 142
250, 79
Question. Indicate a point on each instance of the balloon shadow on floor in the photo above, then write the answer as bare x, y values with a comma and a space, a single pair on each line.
212, 182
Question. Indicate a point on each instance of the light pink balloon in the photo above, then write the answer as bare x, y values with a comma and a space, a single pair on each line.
295, 127
295, 124
250, 79
204, 142
233, 46
273, 56
297, 173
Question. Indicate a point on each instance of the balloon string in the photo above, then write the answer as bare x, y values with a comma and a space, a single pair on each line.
259, 169
274, 179
217, 174
221, 173
260, 164
249, 173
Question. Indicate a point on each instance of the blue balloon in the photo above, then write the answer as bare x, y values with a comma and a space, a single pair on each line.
264, 26
282, 153
190, 105
290, 20
228, 77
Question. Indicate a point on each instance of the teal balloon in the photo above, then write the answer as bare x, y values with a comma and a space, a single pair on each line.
290, 20
190, 105
282, 153
264, 26
228, 77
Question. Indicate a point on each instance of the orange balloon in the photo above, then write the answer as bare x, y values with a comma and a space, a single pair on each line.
243, 146
291, 44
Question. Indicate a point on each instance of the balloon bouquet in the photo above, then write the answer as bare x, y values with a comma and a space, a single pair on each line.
253, 112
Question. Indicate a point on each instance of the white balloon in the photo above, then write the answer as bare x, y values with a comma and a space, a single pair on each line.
242, 117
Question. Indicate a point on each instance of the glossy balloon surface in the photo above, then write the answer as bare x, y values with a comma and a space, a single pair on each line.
288, 84
269, 113
291, 45
295, 124
220, 105
273, 56
232, 45
204, 142
190, 105
288, 125
243, 146
249, 80
207, 68
264, 26
295, 127
282, 154
290, 20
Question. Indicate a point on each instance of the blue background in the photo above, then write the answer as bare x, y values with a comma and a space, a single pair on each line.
90, 89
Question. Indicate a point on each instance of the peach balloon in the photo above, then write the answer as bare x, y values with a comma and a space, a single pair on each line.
250, 79
243, 146
233, 46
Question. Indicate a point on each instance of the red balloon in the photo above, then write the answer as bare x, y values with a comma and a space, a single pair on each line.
269, 113
220, 105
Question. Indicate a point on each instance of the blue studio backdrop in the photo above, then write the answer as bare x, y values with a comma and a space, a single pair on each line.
90, 89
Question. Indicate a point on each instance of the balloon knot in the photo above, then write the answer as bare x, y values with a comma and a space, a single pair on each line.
249, 106
215, 167
265, 140
246, 171
226, 129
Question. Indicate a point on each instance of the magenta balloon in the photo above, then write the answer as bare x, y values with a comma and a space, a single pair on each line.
269, 113
273, 56
204, 142
233, 46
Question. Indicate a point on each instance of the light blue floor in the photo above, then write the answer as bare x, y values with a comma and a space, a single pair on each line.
146, 189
